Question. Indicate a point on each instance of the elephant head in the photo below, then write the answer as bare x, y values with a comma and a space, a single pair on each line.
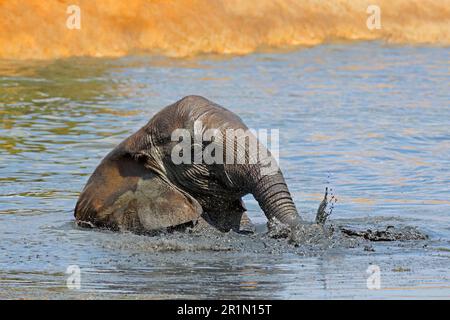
207, 187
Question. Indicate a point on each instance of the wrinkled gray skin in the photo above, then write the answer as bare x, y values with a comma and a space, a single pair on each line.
138, 188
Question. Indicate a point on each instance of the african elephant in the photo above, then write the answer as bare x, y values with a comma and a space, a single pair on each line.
139, 186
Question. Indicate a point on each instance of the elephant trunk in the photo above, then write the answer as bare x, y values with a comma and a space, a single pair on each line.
274, 198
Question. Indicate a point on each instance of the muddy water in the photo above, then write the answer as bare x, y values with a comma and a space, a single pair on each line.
369, 121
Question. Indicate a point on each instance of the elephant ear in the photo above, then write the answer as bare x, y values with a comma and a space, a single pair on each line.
124, 194
161, 205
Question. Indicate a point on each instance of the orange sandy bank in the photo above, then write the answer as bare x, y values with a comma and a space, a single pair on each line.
37, 29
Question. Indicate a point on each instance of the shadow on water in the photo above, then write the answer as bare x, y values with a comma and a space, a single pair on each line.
367, 120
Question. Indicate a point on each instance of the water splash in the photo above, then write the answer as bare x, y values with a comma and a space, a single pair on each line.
322, 212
